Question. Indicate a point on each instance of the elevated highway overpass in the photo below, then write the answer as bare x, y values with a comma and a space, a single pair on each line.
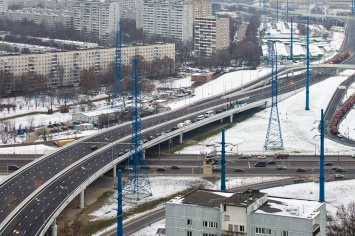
35, 195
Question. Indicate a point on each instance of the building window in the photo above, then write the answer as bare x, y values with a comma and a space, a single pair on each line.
259, 230
189, 222
284, 233
241, 228
262, 231
189, 233
210, 224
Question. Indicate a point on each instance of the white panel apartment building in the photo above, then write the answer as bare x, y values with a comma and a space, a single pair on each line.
38, 16
63, 68
96, 19
166, 18
211, 35
128, 9
251, 213
3, 5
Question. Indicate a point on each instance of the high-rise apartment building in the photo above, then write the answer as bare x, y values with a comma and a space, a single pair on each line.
201, 8
96, 20
168, 18
128, 9
3, 5
211, 35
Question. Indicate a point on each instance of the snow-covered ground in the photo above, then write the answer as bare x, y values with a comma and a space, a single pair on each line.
299, 127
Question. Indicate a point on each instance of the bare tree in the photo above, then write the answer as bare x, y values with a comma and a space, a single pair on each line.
343, 224
30, 122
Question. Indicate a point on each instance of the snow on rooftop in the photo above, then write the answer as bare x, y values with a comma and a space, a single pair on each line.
291, 207
223, 194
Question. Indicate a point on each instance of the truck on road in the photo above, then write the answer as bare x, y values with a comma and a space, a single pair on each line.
61, 143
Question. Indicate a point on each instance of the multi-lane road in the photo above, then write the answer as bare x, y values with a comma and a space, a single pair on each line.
54, 177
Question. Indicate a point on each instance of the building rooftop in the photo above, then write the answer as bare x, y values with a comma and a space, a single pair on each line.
244, 199
203, 197
290, 207
213, 198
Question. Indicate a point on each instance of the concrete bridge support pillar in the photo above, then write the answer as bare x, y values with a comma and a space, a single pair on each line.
81, 199
180, 137
114, 170
336, 71
231, 119
54, 228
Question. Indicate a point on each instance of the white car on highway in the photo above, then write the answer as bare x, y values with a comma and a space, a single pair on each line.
261, 157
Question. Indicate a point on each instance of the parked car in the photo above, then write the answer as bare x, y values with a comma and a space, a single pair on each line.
161, 169
175, 167
271, 162
328, 164
301, 170
239, 170
298, 180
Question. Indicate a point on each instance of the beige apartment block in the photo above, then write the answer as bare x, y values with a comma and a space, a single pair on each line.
201, 8
211, 35
63, 68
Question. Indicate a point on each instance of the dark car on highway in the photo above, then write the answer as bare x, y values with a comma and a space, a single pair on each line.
175, 167
340, 170
161, 169
328, 164
300, 170
335, 167
145, 167
239, 170
271, 162
298, 180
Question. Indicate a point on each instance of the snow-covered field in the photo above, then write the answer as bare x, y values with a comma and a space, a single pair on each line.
299, 127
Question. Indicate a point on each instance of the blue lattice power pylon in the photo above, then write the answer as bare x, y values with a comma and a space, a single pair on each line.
137, 184
274, 136
118, 79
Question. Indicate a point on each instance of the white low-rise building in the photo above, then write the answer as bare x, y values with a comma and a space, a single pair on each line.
211, 213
